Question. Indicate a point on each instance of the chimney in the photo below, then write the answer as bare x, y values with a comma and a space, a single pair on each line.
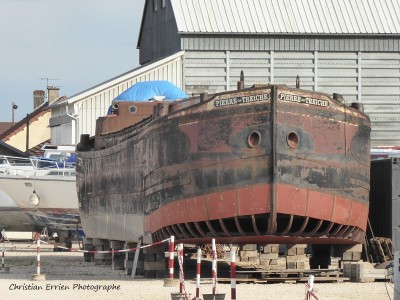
52, 93
38, 98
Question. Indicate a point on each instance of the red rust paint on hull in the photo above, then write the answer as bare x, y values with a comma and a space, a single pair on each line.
266, 164
342, 216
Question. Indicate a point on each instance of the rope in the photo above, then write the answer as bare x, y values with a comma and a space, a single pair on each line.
114, 251
5, 239
107, 251
180, 261
310, 293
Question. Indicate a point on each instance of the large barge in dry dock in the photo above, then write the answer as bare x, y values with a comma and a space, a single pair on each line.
266, 164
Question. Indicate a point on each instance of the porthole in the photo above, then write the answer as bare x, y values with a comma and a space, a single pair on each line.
254, 139
293, 140
132, 109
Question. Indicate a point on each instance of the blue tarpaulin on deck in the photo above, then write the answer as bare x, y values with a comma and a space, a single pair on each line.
147, 90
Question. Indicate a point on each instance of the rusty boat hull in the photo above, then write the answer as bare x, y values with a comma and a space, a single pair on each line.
268, 164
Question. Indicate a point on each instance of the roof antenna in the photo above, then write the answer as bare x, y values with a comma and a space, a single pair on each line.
297, 82
47, 80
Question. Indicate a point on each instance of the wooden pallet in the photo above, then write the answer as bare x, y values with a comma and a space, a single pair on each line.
282, 280
290, 275
381, 249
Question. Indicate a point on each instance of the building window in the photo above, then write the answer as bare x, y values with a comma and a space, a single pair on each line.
163, 4
155, 5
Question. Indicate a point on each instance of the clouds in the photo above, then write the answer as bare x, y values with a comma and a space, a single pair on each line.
80, 43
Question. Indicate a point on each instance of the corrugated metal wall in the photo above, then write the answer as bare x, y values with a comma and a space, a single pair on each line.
264, 42
372, 78
380, 77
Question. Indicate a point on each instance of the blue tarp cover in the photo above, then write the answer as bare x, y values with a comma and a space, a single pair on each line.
146, 90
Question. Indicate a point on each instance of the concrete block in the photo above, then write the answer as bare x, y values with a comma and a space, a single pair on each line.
273, 262
291, 251
247, 247
254, 259
296, 258
265, 262
362, 272
347, 256
244, 255
297, 249
355, 248
300, 250
295, 265
264, 256
357, 255
271, 248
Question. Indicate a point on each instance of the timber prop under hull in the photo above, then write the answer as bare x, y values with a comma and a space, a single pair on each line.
261, 165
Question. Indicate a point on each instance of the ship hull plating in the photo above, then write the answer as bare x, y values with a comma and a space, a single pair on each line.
260, 165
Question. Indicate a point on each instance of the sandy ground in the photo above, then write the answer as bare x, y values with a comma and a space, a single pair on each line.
68, 277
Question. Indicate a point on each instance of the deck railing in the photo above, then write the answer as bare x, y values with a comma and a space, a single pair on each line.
22, 166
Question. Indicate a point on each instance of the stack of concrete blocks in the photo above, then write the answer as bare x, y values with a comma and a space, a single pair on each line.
155, 262
117, 258
129, 259
88, 246
249, 253
269, 256
296, 257
351, 262
363, 272
351, 254
102, 258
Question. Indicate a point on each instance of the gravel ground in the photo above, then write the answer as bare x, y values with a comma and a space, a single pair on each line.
67, 276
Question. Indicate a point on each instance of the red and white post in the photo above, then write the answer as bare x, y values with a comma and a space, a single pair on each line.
180, 257
171, 257
233, 275
198, 273
214, 267
38, 256
38, 276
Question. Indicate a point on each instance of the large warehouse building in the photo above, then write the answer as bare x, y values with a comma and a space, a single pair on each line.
348, 47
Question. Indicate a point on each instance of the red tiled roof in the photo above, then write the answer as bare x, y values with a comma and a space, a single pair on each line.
5, 126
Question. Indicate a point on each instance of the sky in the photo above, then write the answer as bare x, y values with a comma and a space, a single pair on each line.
76, 44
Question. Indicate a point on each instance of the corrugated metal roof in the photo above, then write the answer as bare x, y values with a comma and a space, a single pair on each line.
288, 16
